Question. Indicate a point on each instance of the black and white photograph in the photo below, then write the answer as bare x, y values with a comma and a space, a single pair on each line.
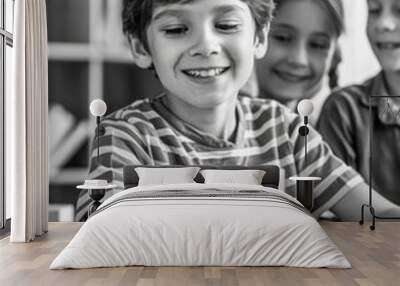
199, 142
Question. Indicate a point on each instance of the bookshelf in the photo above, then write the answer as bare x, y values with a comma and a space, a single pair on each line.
89, 58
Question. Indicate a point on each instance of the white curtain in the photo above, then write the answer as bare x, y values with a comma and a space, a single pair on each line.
26, 124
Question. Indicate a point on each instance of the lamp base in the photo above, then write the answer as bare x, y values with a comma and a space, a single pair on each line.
96, 195
303, 130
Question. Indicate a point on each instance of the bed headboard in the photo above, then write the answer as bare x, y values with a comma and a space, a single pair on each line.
270, 179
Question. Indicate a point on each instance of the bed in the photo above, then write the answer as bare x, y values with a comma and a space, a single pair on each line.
201, 223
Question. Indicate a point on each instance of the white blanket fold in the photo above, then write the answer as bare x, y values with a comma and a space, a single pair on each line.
203, 225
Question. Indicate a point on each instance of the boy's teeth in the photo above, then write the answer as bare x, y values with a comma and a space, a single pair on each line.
388, 45
206, 73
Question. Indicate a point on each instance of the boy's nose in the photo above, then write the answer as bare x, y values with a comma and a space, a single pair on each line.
386, 23
206, 44
298, 56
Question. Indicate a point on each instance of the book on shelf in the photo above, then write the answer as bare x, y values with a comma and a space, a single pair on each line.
60, 122
66, 137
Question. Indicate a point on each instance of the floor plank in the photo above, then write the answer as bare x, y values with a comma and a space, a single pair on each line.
374, 255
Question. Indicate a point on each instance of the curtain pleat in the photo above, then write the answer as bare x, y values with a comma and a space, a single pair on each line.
28, 159
15, 130
44, 184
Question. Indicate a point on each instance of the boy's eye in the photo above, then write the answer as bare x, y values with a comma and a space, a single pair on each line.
373, 11
283, 38
373, 8
228, 26
319, 46
175, 30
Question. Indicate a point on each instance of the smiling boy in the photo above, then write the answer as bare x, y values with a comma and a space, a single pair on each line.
349, 136
203, 52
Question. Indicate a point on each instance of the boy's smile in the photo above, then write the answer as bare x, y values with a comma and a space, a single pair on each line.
386, 45
203, 51
205, 72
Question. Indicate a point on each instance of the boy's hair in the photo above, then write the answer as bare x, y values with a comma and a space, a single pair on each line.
137, 14
334, 8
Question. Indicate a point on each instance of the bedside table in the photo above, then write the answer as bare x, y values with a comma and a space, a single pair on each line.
304, 190
97, 189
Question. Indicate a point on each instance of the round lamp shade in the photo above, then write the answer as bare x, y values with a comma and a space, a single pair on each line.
305, 107
98, 107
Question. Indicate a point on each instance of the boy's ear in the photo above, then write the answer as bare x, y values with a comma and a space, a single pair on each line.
261, 43
141, 56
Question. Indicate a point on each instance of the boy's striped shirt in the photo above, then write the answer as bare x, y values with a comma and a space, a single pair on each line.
147, 133
349, 138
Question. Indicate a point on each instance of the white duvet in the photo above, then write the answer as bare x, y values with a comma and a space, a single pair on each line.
223, 224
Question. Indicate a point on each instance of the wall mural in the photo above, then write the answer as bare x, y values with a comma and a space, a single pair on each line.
197, 87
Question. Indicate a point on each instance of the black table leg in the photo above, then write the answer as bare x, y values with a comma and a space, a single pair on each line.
305, 193
96, 195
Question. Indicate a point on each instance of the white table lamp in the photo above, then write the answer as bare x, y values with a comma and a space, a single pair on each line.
305, 107
305, 185
98, 108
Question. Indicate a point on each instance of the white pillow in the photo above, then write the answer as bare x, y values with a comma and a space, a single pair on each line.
248, 177
162, 176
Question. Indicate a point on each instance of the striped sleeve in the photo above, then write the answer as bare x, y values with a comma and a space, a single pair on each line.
337, 178
120, 144
340, 133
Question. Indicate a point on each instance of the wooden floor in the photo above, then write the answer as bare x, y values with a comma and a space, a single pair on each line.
374, 255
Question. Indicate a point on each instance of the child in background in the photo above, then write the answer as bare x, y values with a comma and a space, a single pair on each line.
303, 53
203, 52
345, 115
